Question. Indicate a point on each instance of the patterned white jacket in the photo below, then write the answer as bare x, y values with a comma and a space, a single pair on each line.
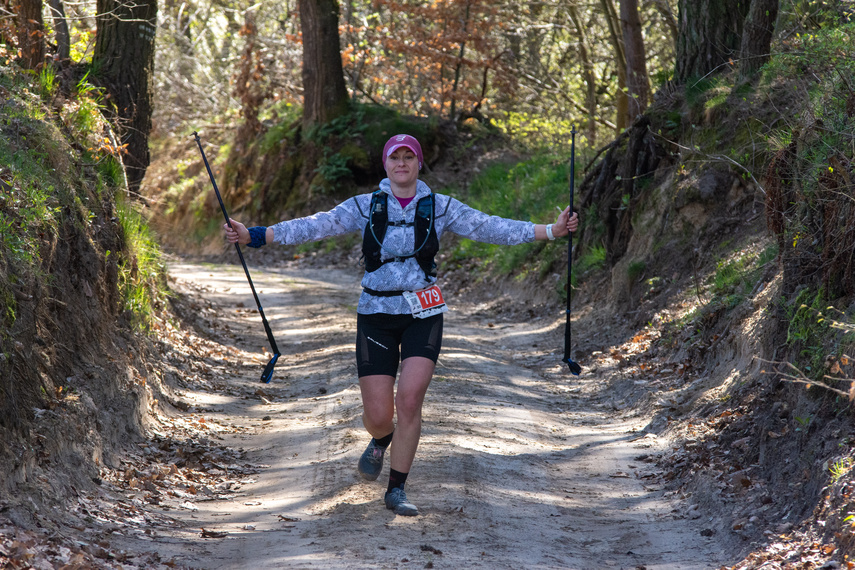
352, 216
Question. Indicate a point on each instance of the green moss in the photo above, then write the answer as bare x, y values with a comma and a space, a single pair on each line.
355, 155
635, 270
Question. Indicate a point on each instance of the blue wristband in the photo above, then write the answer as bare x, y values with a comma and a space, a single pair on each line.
258, 236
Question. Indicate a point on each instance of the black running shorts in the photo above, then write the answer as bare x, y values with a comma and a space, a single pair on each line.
382, 341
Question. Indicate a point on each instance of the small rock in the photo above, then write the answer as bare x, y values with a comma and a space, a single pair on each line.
708, 532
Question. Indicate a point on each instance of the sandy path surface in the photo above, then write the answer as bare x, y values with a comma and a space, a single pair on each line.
521, 465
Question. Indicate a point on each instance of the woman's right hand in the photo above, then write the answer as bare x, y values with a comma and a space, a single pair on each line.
237, 233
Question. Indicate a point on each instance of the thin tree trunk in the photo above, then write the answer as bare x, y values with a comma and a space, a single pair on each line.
60, 26
621, 100
757, 37
324, 91
664, 9
588, 73
124, 58
31, 34
636, 61
458, 68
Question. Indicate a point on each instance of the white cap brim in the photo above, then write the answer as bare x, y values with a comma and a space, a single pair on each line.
395, 147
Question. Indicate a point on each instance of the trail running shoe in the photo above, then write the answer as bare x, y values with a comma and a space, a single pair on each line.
371, 462
396, 500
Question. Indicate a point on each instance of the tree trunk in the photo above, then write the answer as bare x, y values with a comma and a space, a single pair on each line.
757, 37
638, 84
710, 35
31, 34
124, 58
324, 92
621, 100
588, 73
60, 26
458, 67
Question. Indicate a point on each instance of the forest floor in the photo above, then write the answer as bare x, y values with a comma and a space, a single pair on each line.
521, 465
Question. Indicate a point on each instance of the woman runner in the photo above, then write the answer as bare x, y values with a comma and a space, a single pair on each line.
399, 316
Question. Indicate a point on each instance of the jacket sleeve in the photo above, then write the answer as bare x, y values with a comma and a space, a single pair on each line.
345, 218
473, 224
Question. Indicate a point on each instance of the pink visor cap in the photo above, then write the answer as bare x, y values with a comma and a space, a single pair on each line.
399, 141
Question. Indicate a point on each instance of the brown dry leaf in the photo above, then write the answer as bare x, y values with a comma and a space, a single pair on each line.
828, 549
835, 368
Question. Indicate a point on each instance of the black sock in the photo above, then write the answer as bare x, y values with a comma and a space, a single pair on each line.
396, 479
384, 441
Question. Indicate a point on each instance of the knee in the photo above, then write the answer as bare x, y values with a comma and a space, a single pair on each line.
377, 416
409, 407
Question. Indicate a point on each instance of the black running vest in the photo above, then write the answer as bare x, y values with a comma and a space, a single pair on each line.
426, 241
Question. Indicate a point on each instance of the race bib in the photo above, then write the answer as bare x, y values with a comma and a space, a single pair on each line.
426, 303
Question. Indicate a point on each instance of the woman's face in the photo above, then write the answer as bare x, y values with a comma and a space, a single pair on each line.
402, 166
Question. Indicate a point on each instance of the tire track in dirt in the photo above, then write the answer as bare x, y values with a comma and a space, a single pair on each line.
521, 465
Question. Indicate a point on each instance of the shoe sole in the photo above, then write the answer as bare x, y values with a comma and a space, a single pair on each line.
406, 512
368, 476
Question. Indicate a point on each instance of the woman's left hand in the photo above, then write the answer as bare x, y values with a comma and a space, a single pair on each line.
565, 223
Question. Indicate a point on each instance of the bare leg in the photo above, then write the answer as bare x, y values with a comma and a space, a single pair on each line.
378, 404
416, 374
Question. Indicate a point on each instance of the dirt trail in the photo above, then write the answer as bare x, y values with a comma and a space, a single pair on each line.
521, 465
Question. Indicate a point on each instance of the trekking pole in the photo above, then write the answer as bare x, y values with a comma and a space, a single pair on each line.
267, 375
574, 367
